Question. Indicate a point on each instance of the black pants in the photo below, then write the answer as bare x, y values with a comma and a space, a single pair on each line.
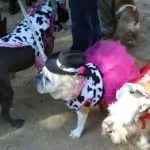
13, 7
12, 3
85, 25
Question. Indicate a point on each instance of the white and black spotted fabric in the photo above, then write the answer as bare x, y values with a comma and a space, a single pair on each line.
92, 92
23, 35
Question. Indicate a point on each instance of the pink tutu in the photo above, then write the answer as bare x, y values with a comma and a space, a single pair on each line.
116, 65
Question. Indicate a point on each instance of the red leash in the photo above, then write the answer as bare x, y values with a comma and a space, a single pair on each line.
143, 119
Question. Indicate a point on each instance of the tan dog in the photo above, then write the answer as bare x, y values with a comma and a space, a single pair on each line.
128, 22
120, 19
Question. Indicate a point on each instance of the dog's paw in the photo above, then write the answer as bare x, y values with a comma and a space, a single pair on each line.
75, 134
17, 123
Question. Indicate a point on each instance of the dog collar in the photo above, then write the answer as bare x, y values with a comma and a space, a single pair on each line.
122, 8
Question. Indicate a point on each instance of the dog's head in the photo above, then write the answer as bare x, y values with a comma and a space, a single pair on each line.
58, 86
131, 101
59, 78
128, 27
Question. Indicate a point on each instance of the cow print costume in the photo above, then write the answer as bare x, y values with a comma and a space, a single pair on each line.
23, 35
92, 91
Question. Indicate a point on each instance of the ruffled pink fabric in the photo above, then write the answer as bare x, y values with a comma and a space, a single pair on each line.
117, 66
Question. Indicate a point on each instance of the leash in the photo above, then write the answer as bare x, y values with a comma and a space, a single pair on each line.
32, 27
143, 119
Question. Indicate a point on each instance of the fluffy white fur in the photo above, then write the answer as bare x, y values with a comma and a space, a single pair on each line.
122, 121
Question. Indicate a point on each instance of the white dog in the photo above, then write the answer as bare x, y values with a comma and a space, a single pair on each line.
65, 76
123, 119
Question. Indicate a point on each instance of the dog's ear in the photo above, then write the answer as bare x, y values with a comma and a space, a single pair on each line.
137, 93
123, 91
143, 99
130, 89
137, 90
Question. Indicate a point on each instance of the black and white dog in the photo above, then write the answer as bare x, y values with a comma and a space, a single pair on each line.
18, 51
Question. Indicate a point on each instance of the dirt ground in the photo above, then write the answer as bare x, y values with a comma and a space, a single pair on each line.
48, 122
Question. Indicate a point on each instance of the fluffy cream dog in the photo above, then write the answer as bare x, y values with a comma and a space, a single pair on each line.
122, 121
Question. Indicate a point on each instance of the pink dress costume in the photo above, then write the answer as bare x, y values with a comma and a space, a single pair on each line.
116, 65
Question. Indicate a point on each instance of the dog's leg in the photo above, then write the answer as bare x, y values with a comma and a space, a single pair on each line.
6, 97
82, 115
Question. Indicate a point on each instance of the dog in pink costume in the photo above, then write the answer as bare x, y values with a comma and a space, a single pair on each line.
116, 65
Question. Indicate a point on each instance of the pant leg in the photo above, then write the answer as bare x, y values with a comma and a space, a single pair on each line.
12, 3
13, 7
106, 15
96, 30
81, 24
